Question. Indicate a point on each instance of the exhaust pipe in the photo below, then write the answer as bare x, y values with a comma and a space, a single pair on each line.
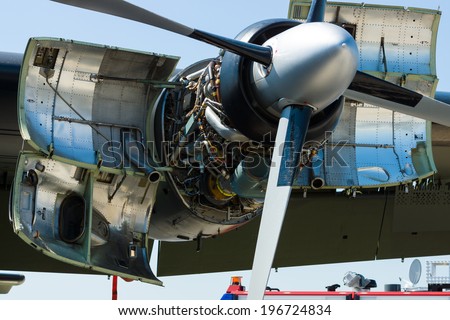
317, 180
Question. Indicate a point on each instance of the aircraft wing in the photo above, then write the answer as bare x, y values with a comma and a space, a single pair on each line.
378, 224
329, 228
10, 139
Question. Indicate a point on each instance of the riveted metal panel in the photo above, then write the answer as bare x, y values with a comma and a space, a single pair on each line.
110, 227
422, 208
382, 147
71, 104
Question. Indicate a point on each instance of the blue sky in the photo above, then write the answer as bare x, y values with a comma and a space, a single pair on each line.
22, 19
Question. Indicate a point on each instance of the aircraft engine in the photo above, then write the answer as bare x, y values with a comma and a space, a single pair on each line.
219, 173
217, 132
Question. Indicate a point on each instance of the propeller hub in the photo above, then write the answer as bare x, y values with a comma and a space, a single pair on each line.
312, 64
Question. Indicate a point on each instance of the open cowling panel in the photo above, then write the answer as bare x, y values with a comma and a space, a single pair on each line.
85, 196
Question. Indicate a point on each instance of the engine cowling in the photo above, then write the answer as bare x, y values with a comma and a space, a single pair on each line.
243, 108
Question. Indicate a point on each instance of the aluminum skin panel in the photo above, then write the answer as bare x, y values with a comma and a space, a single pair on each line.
371, 146
86, 218
76, 99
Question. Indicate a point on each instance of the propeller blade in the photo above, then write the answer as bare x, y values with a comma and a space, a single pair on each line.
289, 141
317, 11
129, 11
369, 89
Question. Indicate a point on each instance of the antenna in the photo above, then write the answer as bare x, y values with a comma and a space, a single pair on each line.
415, 271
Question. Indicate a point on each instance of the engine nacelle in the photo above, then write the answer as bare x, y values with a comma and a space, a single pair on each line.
217, 139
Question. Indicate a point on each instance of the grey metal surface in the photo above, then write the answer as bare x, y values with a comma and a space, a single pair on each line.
372, 146
110, 235
80, 107
313, 71
225, 132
